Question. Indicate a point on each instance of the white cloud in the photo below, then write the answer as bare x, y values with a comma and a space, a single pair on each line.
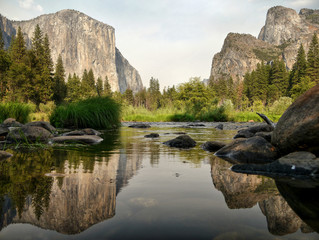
29, 4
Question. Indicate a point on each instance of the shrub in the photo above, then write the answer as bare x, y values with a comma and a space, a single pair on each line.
18, 111
97, 112
214, 115
280, 106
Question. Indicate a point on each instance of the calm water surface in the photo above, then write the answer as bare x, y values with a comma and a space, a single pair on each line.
131, 187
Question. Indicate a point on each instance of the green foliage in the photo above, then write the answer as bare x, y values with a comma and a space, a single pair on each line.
74, 90
280, 105
313, 60
18, 111
97, 112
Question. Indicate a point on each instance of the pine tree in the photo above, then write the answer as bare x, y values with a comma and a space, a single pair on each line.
74, 90
37, 43
4, 67
107, 91
88, 84
99, 86
298, 72
59, 86
278, 81
47, 54
18, 48
1, 40
313, 60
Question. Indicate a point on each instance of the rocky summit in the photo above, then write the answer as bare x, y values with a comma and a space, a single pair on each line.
83, 42
280, 37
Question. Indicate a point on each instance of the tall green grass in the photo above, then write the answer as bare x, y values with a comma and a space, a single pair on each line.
97, 112
18, 111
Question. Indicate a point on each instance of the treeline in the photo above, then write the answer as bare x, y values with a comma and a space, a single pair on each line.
29, 75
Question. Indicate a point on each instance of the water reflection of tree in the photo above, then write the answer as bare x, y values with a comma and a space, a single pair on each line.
23, 177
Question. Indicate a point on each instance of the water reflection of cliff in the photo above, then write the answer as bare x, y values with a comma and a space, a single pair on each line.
83, 195
245, 191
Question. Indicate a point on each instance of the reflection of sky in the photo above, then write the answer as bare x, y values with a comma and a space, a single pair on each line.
172, 199
169, 40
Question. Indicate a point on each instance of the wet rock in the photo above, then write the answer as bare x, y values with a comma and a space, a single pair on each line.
298, 128
29, 134
183, 141
11, 122
212, 146
251, 131
152, 135
250, 150
86, 131
294, 164
265, 135
4, 131
220, 126
43, 124
87, 139
4, 155
91, 131
244, 134
180, 133
140, 125
196, 125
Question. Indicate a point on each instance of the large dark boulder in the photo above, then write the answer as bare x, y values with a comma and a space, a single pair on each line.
296, 164
212, 146
29, 134
250, 150
183, 141
4, 131
298, 128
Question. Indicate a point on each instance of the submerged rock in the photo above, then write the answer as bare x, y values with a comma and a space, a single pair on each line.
140, 125
250, 150
294, 164
86, 131
183, 141
298, 128
4, 155
212, 146
220, 126
152, 135
87, 139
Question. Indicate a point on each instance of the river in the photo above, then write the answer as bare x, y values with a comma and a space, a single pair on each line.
132, 187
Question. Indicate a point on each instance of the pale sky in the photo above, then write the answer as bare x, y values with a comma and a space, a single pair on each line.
171, 40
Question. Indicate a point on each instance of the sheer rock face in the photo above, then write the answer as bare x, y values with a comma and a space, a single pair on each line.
281, 37
83, 42
238, 55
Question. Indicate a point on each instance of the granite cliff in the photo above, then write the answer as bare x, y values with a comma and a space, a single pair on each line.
281, 37
83, 42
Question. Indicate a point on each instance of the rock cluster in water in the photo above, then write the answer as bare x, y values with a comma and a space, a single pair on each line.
291, 149
13, 132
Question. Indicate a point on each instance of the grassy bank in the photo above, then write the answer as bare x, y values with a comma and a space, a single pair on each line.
18, 111
219, 114
98, 113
